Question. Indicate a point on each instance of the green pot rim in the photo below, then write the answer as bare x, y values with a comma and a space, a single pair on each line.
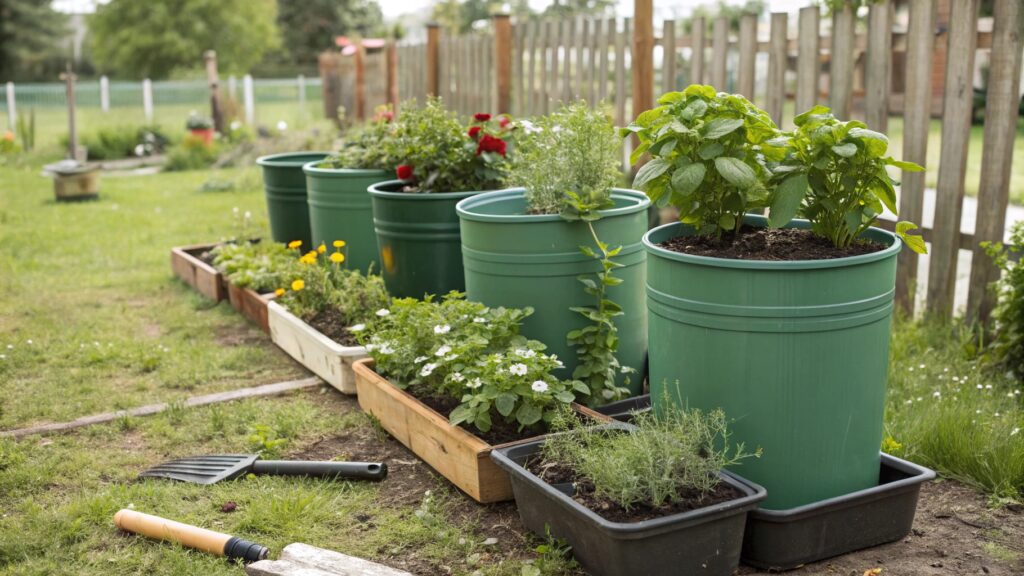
310, 169
465, 207
878, 234
378, 191
285, 160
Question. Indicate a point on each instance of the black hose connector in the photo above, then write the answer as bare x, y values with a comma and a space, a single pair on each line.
244, 550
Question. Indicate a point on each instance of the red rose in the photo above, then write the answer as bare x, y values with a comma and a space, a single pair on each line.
481, 117
491, 144
504, 121
384, 116
404, 172
474, 132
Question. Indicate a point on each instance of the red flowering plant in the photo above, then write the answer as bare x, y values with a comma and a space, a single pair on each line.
435, 152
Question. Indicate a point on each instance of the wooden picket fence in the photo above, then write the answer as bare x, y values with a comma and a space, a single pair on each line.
529, 68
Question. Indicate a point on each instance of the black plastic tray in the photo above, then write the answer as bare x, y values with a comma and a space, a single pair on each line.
786, 539
705, 541
623, 410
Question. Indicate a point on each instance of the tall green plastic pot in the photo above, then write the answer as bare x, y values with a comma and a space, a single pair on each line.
418, 240
517, 259
285, 188
794, 352
340, 209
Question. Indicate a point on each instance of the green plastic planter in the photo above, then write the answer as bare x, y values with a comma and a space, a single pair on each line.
285, 187
340, 209
795, 353
418, 240
517, 259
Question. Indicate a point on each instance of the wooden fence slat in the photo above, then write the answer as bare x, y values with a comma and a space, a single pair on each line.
552, 90
621, 42
1001, 112
808, 63
433, 37
956, 127
642, 58
580, 77
503, 54
603, 46
776, 89
719, 53
697, 53
593, 77
878, 69
489, 73
842, 62
568, 39
518, 77
531, 74
668, 46
748, 56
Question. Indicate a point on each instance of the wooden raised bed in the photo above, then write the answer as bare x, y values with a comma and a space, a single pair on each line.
251, 304
321, 355
204, 278
454, 452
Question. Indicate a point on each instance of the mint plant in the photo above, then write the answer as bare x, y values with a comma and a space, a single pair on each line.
261, 266
1007, 347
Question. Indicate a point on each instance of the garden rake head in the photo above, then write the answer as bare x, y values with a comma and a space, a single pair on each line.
212, 469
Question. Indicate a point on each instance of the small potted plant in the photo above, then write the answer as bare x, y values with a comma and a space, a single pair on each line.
566, 243
315, 313
339, 206
452, 379
254, 271
783, 323
200, 127
441, 161
652, 498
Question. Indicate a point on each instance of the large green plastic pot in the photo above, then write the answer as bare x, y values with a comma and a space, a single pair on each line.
517, 259
794, 352
418, 240
340, 209
285, 187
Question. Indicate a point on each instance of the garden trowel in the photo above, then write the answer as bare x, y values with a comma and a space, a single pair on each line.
211, 469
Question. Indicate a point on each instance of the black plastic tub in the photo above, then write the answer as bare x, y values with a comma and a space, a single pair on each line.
705, 541
786, 539
623, 410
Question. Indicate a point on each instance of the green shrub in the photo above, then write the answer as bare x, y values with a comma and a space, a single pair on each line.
656, 464
193, 153
364, 146
115, 142
1007, 348
261, 266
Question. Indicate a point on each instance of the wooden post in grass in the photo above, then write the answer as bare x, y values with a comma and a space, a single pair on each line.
775, 96
748, 56
104, 94
249, 100
12, 114
216, 111
840, 92
69, 86
808, 66
503, 63
433, 58
878, 68
147, 99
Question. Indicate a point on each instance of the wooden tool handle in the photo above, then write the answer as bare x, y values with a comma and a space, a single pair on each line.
188, 535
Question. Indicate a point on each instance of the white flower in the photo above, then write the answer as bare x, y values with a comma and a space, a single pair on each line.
235, 125
475, 383
937, 394
956, 379
10, 346
370, 347
357, 328
1015, 431
419, 359
458, 377
443, 350
29, 341
479, 320
911, 369
282, 126
3, 356
518, 369
988, 386
442, 329
921, 366
945, 369
383, 312
248, 215
539, 386
979, 386
451, 357
525, 353
428, 369
386, 348
235, 210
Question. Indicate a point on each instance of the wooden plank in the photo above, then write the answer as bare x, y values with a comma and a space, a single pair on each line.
530, 102
956, 127
776, 86
332, 562
603, 46
748, 56
642, 60
808, 64
719, 53
392, 73
250, 304
668, 46
568, 39
697, 54
593, 74
502, 49
205, 279
1001, 107
318, 353
553, 93
518, 105
916, 122
878, 69
148, 410
580, 76
621, 42
432, 57
841, 58
487, 74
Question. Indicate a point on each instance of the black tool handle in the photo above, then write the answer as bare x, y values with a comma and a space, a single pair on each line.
348, 470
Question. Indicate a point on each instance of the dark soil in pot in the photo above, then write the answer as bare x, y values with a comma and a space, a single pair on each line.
332, 324
776, 244
555, 473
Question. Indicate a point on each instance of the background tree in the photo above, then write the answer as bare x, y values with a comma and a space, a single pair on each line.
157, 38
31, 32
569, 8
731, 11
308, 27
459, 16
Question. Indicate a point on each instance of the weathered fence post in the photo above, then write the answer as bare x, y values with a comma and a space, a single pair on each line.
776, 90
12, 112
878, 69
503, 64
360, 69
807, 63
104, 94
748, 56
433, 58
956, 128
697, 50
1001, 107
841, 61
216, 111
392, 61
233, 87
249, 100
719, 53
147, 99
69, 89
300, 84
668, 46
643, 57
621, 45
917, 105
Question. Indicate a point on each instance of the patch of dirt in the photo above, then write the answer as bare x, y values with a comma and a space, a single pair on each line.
774, 244
331, 323
242, 334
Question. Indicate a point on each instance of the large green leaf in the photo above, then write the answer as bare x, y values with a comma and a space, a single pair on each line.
650, 171
788, 197
875, 142
686, 179
735, 171
528, 414
721, 127
505, 403
695, 109
848, 150
913, 241
709, 150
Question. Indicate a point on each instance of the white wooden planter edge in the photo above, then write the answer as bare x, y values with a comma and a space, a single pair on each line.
321, 355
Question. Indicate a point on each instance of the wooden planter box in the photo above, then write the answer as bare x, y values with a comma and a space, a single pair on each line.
452, 451
321, 355
198, 274
251, 304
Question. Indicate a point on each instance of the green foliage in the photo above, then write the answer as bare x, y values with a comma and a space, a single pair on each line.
197, 121
665, 457
443, 154
32, 32
26, 129
467, 351
115, 142
192, 153
708, 157
320, 281
261, 266
308, 27
570, 153
264, 441
834, 174
8, 145
1007, 348
157, 39
732, 12
365, 146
